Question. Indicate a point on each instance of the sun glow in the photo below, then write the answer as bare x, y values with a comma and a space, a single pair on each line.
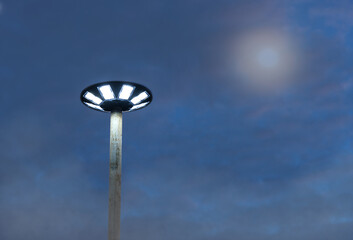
268, 57
263, 60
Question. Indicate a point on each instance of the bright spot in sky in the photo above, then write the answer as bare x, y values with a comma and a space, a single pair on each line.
262, 60
268, 58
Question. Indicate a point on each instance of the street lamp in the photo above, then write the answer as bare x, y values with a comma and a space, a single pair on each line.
115, 97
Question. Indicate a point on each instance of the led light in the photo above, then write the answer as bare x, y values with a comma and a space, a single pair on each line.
94, 106
126, 92
139, 106
116, 96
139, 98
92, 98
107, 92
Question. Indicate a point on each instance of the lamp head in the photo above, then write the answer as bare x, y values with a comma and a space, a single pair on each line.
116, 96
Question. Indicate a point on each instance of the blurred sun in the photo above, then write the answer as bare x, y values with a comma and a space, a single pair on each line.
268, 58
262, 60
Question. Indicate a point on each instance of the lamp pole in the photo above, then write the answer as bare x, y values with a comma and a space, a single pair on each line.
115, 97
116, 122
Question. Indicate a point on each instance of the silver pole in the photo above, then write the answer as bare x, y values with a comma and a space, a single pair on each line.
116, 122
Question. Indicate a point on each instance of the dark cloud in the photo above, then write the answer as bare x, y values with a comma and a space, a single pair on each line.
209, 158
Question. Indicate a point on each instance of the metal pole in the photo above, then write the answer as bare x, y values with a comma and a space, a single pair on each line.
116, 122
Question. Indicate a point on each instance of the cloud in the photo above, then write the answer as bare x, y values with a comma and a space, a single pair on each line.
207, 159
338, 16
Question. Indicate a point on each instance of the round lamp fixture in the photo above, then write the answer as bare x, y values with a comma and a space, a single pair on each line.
116, 96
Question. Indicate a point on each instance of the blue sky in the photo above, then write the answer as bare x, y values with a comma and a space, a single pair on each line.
248, 136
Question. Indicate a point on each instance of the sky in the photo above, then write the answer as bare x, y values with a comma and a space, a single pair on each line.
248, 137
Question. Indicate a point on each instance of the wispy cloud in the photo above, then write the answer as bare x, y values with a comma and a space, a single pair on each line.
207, 159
